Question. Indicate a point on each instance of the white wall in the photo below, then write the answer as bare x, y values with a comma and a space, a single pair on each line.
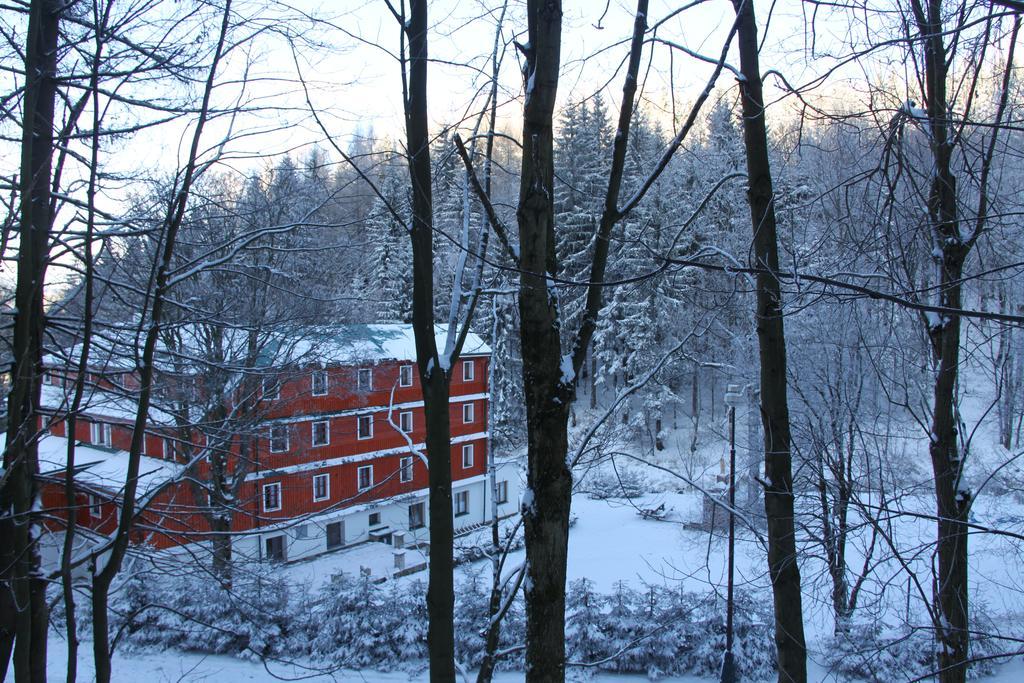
394, 515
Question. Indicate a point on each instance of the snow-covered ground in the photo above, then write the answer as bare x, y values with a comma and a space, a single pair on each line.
175, 667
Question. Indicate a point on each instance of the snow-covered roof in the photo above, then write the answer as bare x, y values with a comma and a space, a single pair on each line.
99, 467
340, 344
102, 403
350, 344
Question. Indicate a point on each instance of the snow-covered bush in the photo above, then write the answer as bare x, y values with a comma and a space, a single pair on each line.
877, 653
193, 612
661, 632
471, 620
754, 635
585, 623
621, 482
353, 624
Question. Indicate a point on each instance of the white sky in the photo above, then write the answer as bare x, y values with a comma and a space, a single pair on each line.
354, 79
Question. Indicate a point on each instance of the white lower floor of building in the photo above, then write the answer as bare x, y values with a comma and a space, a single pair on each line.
401, 522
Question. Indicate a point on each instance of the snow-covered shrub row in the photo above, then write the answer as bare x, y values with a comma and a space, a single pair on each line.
662, 632
353, 622
193, 612
877, 654
622, 482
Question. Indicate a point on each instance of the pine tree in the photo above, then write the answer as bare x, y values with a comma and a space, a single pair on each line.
582, 158
585, 640
390, 275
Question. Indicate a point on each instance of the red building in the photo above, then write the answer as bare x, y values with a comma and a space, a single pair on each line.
329, 451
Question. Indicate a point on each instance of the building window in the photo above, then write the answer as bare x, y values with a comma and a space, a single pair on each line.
275, 548
321, 433
319, 382
374, 519
279, 439
405, 376
501, 494
302, 532
468, 370
461, 503
95, 507
100, 432
364, 425
416, 517
271, 389
467, 456
405, 421
405, 469
364, 379
168, 449
321, 487
271, 497
468, 413
364, 477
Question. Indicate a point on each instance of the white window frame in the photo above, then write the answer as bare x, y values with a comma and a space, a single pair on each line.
467, 450
501, 494
405, 375
366, 385
326, 478
301, 532
168, 446
359, 430
101, 434
468, 412
405, 473
370, 517
271, 438
405, 415
268, 383
95, 507
312, 383
327, 433
461, 503
359, 477
273, 486
468, 370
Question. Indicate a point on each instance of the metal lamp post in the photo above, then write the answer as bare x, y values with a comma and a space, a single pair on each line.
733, 397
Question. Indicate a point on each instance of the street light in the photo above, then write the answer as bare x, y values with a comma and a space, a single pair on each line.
733, 397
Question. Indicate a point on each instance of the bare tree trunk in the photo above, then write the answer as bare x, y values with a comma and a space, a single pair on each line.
778, 502
70, 621
592, 380
549, 483
549, 378
26, 612
493, 638
433, 378
754, 447
695, 409
953, 496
